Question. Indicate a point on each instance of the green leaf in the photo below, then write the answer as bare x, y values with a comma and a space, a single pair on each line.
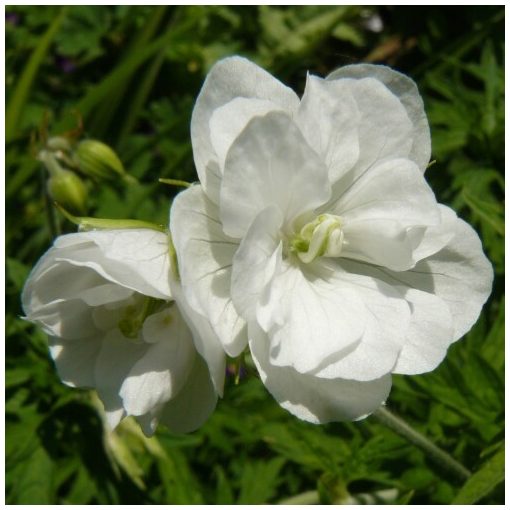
483, 481
259, 481
224, 493
21, 92
15, 377
17, 272
34, 481
347, 32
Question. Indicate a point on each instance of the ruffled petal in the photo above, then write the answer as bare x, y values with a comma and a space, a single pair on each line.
381, 211
53, 280
229, 120
407, 92
445, 291
135, 258
115, 360
459, 274
309, 320
328, 117
386, 318
270, 164
70, 320
205, 339
393, 189
193, 405
231, 78
204, 255
429, 334
75, 360
312, 398
384, 129
256, 261
164, 368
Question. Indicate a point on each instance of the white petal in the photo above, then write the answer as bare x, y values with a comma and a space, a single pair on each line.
256, 261
194, 404
116, 358
205, 256
71, 320
393, 189
328, 117
437, 237
228, 121
229, 79
382, 242
105, 294
429, 334
312, 398
75, 361
52, 280
205, 339
386, 318
270, 164
135, 258
164, 368
446, 292
384, 129
406, 90
381, 211
310, 320
459, 274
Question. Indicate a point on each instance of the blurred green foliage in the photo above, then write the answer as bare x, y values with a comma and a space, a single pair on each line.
132, 73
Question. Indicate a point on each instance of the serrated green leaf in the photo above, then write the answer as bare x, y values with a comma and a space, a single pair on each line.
483, 481
259, 481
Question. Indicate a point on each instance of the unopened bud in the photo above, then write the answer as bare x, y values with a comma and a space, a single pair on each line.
67, 189
99, 161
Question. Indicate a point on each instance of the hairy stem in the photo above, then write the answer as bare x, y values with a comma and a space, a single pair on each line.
436, 454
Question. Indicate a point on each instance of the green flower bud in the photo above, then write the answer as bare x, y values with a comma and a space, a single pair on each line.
100, 162
68, 190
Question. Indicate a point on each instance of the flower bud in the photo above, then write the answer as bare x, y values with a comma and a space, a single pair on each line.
97, 160
67, 189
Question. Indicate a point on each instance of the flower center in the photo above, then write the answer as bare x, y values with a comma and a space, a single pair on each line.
135, 315
322, 237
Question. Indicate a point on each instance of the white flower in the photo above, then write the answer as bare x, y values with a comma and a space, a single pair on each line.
315, 238
104, 298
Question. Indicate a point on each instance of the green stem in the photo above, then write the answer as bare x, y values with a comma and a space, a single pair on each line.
53, 226
436, 454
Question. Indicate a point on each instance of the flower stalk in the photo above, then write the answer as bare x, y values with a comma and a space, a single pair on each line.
436, 454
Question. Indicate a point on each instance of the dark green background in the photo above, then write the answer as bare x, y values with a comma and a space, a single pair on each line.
132, 73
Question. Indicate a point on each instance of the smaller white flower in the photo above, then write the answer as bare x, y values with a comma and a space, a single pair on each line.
106, 300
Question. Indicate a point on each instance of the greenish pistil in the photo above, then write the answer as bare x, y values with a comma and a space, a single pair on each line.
135, 315
322, 237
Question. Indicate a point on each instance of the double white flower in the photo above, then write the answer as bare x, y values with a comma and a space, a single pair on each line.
315, 239
106, 300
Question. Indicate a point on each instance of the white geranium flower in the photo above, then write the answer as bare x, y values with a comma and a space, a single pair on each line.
315, 238
104, 298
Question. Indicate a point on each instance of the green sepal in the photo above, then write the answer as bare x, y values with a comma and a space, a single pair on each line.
88, 223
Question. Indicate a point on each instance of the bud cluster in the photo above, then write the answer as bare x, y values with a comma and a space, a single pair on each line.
68, 162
